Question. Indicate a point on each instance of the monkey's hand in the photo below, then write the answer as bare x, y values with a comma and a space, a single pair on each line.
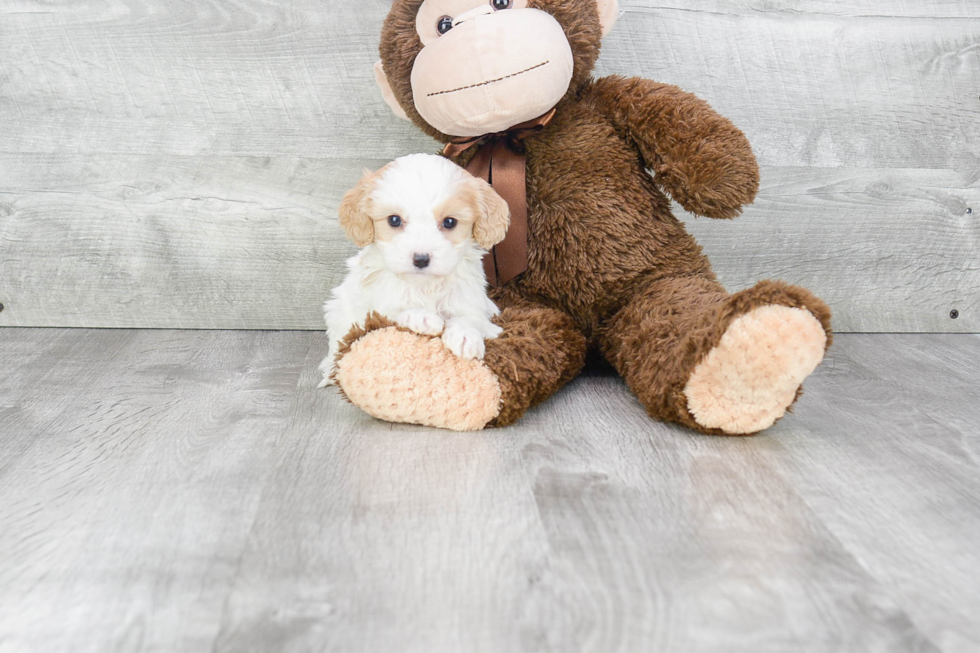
698, 156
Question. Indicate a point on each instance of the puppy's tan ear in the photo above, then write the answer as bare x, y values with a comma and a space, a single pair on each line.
493, 215
354, 215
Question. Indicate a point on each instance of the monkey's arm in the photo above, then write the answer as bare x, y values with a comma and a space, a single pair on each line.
699, 157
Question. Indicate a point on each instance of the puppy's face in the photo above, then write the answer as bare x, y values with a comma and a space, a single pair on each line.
424, 213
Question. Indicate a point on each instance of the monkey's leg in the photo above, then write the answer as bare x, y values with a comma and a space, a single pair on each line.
399, 376
718, 363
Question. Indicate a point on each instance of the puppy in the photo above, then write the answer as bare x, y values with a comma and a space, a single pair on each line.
424, 224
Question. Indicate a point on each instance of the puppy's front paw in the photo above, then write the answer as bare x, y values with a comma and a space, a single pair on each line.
421, 321
465, 341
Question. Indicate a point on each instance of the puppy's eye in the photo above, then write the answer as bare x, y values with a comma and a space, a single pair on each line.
444, 25
501, 4
394, 221
450, 223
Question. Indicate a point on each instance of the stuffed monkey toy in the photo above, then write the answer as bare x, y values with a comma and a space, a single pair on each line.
600, 262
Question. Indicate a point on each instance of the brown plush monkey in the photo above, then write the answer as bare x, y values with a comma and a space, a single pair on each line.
607, 265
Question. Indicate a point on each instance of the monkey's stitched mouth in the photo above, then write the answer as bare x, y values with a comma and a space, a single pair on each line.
492, 81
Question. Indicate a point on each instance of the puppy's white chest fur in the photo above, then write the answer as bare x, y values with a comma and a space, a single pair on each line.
375, 288
455, 306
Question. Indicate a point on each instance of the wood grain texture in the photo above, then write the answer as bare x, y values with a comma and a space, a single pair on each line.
176, 164
138, 463
863, 116
853, 84
181, 242
889, 250
193, 491
919, 477
245, 78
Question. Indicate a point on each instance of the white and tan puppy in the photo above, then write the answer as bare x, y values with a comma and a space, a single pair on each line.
424, 224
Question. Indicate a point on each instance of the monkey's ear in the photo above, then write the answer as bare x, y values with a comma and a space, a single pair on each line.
354, 216
608, 14
386, 92
493, 215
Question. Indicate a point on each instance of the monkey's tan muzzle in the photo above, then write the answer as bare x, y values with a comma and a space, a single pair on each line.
492, 71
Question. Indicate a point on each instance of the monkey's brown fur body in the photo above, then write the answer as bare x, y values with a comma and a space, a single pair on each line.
609, 266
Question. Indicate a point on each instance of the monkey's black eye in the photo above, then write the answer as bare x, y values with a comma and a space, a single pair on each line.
450, 223
444, 25
394, 221
501, 4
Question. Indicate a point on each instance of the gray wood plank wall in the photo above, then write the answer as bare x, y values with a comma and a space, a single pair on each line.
171, 163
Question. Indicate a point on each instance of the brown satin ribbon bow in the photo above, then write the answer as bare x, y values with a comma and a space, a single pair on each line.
501, 161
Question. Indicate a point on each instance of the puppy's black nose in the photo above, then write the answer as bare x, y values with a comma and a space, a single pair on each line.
421, 261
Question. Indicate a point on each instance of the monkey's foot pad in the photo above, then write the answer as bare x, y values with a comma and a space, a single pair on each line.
753, 375
399, 376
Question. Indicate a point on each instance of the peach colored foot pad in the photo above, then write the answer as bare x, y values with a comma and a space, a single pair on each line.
402, 377
750, 378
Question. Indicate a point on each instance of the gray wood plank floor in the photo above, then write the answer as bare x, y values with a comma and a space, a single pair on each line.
192, 491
